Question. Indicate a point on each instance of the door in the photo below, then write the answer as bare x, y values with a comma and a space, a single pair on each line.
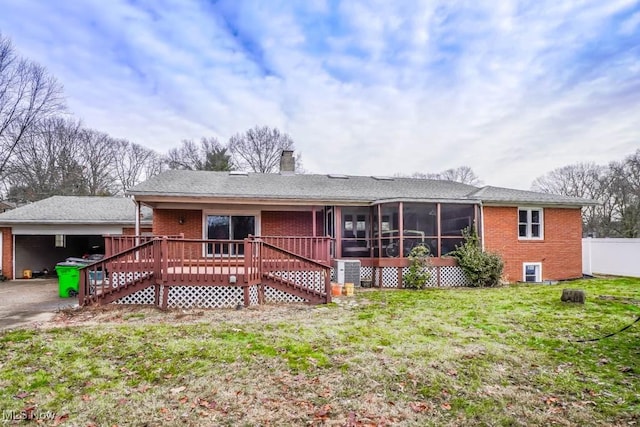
229, 227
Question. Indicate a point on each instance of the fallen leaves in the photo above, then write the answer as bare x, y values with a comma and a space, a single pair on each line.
419, 407
322, 413
177, 390
60, 419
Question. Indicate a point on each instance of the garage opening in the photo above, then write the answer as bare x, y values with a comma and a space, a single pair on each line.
41, 253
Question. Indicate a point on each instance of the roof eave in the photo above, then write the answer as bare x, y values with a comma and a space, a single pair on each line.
557, 204
70, 222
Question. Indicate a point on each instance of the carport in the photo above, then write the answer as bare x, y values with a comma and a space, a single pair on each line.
37, 236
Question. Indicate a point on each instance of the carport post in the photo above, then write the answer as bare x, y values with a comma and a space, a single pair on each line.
138, 211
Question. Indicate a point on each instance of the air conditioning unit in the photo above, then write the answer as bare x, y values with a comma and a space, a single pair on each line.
347, 271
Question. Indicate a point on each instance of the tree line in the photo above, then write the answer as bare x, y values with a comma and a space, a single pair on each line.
45, 151
615, 186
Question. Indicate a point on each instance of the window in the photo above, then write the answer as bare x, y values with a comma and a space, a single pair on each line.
61, 241
530, 223
229, 227
532, 272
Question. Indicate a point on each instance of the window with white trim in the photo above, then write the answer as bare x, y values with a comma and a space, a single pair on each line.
61, 241
530, 223
532, 272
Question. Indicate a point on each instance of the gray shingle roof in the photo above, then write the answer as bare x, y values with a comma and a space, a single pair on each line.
76, 210
365, 189
297, 187
499, 195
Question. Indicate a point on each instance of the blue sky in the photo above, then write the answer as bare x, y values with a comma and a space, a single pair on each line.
511, 89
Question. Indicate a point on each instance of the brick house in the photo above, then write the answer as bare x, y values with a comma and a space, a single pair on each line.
374, 220
229, 238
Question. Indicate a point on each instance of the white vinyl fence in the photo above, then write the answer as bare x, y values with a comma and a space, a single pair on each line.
618, 257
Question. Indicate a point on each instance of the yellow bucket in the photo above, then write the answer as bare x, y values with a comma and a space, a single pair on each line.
26, 274
348, 289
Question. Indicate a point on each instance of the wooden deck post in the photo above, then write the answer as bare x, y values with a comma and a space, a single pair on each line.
327, 285
156, 295
164, 256
81, 289
245, 291
108, 242
165, 297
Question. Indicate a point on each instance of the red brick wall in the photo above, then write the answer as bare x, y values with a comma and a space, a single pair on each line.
167, 222
560, 252
276, 223
7, 252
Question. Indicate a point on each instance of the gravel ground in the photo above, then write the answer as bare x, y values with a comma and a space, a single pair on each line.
24, 302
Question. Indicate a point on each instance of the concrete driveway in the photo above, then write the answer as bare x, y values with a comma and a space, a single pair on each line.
23, 302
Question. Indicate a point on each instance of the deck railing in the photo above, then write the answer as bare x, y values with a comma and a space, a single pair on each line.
200, 261
120, 270
165, 261
114, 244
315, 248
287, 267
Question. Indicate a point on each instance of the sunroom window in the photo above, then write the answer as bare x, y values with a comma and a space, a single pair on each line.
530, 224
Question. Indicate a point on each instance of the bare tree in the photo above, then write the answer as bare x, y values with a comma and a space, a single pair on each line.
462, 174
616, 187
97, 156
259, 149
28, 94
584, 180
134, 163
208, 155
46, 163
625, 191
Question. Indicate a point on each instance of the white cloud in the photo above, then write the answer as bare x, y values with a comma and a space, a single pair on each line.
510, 89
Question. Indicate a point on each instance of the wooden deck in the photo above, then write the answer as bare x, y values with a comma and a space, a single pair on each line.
163, 262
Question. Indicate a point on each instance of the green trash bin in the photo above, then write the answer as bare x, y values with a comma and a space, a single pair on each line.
68, 278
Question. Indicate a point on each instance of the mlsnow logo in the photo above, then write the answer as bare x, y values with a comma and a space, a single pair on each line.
28, 414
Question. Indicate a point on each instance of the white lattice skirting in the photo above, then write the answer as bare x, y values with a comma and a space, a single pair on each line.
308, 279
195, 297
143, 297
229, 296
450, 276
272, 295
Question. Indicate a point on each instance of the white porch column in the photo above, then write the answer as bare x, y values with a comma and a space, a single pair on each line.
138, 212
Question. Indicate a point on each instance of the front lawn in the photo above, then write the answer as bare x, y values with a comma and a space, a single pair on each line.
500, 356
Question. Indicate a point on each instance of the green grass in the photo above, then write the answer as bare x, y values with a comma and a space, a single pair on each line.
504, 356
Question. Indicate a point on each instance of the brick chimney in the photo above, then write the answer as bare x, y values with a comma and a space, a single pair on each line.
287, 163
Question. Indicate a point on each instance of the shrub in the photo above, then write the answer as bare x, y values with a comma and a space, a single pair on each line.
418, 276
483, 269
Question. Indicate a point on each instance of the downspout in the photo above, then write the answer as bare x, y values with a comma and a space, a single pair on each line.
482, 225
13, 267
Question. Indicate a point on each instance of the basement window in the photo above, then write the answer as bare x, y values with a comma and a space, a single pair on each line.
532, 272
61, 241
